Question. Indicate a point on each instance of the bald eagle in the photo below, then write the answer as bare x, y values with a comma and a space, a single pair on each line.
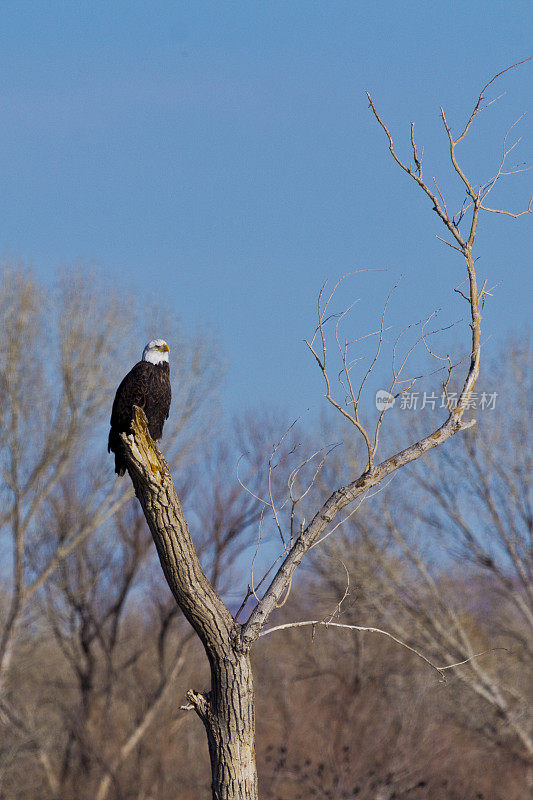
147, 386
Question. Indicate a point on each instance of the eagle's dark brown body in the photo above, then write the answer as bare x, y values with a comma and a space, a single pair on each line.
148, 387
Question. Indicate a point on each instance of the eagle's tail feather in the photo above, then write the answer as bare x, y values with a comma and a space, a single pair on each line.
115, 445
120, 464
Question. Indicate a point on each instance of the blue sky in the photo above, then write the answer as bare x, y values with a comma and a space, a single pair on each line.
222, 156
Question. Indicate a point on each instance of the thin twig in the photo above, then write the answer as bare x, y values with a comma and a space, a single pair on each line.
369, 629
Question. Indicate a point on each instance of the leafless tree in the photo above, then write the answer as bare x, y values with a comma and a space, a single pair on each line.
227, 709
469, 506
59, 351
355, 716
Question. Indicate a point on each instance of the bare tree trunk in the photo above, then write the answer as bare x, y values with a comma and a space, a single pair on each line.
227, 712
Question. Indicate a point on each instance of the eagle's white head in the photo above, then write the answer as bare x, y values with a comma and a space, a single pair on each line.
156, 351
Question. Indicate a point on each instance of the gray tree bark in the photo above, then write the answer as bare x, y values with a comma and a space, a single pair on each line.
227, 712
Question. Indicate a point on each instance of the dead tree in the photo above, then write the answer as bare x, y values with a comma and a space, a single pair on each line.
227, 709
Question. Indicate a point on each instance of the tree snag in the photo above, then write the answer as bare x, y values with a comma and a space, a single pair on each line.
227, 710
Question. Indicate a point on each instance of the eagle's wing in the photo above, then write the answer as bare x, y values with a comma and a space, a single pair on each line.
133, 391
148, 387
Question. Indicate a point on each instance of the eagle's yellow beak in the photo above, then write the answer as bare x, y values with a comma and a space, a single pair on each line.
164, 348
